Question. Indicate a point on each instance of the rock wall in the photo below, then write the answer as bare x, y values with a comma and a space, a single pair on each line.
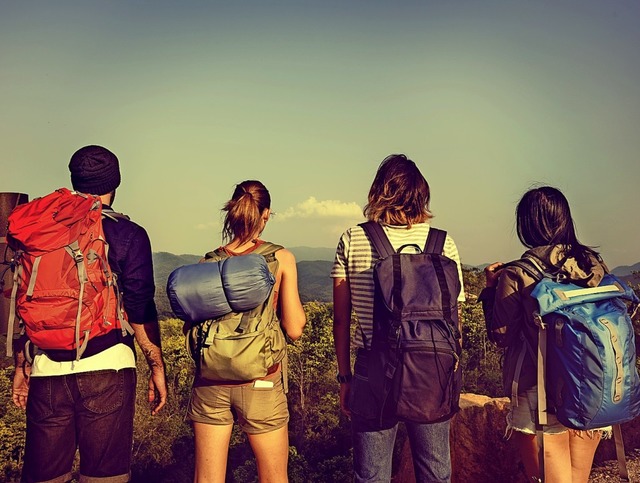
479, 452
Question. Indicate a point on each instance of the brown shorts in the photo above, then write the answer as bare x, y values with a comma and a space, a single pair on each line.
258, 407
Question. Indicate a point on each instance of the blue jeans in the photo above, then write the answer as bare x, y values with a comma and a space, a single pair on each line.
91, 411
373, 439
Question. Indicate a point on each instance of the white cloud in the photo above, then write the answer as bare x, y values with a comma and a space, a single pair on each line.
207, 226
312, 207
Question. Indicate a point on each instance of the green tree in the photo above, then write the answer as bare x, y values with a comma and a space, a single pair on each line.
163, 447
317, 428
12, 431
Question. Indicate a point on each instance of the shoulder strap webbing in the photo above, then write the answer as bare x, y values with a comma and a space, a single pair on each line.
435, 245
435, 241
378, 238
622, 462
530, 266
12, 307
541, 417
114, 215
533, 269
267, 249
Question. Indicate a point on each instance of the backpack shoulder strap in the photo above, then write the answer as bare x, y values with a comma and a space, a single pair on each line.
530, 266
533, 268
378, 238
114, 215
435, 241
268, 250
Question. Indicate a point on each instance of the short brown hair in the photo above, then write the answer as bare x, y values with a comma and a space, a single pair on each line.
399, 194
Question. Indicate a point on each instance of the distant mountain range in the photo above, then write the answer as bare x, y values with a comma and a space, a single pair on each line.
312, 254
626, 270
314, 267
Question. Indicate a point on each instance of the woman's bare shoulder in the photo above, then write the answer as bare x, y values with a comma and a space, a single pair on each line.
285, 256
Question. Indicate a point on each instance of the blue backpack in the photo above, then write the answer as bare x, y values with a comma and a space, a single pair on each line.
591, 376
587, 352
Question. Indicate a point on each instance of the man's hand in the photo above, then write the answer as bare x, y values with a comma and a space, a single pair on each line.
157, 390
345, 389
148, 338
20, 390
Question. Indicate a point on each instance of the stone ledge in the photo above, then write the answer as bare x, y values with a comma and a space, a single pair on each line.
479, 452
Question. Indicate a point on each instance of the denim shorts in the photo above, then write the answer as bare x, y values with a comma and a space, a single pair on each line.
522, 417
258, 407
91, 411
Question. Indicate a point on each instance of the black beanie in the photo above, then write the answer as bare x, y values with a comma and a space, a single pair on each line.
94, 170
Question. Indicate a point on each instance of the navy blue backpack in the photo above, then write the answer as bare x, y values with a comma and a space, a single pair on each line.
414, 355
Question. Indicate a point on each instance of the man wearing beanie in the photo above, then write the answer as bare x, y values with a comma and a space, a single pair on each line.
88, 404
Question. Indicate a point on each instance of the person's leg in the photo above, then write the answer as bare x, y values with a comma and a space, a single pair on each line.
582, 445
372, 450
263, 414
105, 408
210, 411
50, 445
557, 458
212, 448
430, 451
373, 442
557, 467
272, 455
528, 449
522, 428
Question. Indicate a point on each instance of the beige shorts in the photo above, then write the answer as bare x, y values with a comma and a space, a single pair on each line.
258, 407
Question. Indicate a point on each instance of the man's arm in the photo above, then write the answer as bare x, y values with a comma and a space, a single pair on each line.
148, 338
342, 336
138, 288
20, 389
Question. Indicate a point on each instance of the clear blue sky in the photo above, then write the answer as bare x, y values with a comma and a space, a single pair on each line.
488, 97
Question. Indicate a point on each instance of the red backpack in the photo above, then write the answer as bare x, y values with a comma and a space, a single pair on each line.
63, 291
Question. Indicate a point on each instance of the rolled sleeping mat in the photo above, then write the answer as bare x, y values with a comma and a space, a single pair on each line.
209, 290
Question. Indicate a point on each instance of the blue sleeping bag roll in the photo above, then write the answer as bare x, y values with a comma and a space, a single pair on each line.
209, 290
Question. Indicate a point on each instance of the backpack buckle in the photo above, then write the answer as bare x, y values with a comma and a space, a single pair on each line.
560, 277
538, 320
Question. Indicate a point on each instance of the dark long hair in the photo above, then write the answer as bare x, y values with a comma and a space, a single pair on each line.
244, 211
399, 194
544, 218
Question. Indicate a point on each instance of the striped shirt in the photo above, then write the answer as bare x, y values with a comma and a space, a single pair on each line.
354, 262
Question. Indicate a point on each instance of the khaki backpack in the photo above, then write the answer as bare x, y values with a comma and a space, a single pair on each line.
240, 346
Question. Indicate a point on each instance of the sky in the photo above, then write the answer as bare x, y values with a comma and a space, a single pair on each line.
488, 97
